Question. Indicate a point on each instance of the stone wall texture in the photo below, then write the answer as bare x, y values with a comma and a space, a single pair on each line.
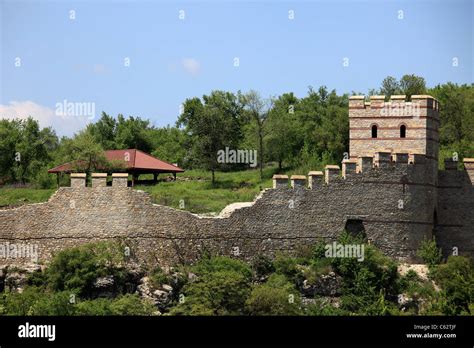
399, 203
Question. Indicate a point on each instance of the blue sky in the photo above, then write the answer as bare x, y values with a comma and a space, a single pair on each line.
171, 59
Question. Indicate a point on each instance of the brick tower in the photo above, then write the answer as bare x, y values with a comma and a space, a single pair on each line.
396, 126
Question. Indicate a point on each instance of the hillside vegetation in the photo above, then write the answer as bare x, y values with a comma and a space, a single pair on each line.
99, 279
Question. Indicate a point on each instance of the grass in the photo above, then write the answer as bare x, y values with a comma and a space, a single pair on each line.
19, 196
195, 190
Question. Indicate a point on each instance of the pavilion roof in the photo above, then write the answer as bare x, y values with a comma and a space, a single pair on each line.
133, 160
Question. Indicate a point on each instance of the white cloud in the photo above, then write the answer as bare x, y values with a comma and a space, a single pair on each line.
47, 117
191, 66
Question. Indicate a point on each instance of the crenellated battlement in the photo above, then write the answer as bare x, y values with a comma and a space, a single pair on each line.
79, 180
399, 102
396, 164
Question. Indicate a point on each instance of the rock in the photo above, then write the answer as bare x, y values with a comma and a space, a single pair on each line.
15, 281
326, 285
331, 301
104, 282
144, 288
421, 270
160, 297
105, 287
134, 271
192, 277
167, 287
405, 302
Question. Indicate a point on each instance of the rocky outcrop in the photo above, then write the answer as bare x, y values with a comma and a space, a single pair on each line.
326, 285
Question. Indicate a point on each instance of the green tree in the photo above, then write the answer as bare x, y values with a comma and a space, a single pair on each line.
456, 119
86, 153
211, 126
10, 134
257, 111
104, 131
390, 86
412, 85
170, 144
283, 137
133, 133
30, 149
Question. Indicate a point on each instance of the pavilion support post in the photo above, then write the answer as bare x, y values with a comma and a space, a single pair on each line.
155, 177
57, 180
174, 175
134, 178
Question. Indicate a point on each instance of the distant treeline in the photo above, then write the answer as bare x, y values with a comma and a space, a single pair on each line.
304, 133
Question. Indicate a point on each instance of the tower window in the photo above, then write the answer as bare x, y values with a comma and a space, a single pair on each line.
374, 131
403, 131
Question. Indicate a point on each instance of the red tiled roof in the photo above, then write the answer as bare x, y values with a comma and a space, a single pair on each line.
133, 159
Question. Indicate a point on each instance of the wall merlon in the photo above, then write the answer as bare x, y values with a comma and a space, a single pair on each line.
365, 163
315, 178
99, 179
426, 101
469, 167
78, 180
383, 159
119, 179
398, 101
331, 172
298, 181
280, 180
357, 102
377, 101
401, 157
349, 166
416, 158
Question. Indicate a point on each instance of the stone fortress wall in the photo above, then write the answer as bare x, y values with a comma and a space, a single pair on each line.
397, 198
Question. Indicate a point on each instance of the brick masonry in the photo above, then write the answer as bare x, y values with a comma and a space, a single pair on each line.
400, 197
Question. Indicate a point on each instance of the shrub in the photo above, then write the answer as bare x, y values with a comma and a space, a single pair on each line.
129, 304
430, 253
319, 251
36, 301
275, 297
76, 269
262, 266
289, 267
366, 283
319, 308
97, 307
57, 303
21, 304
317, 268
158, 277
221, 263
222, 287
456, 278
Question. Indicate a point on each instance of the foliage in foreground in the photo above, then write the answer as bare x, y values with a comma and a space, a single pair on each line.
219, 285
